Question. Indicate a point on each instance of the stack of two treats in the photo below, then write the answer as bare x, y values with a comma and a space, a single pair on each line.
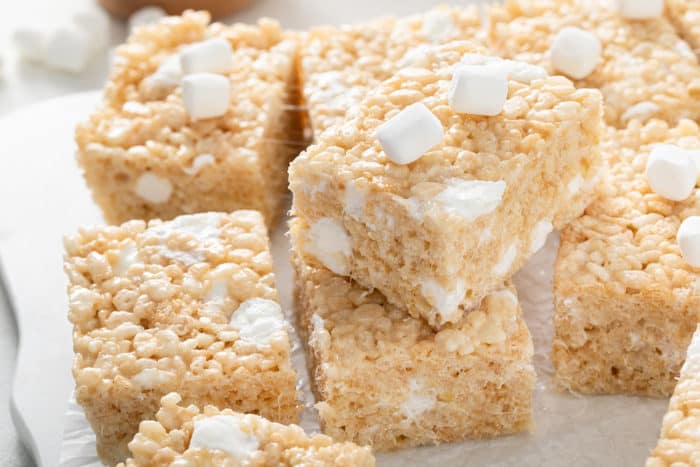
411, 213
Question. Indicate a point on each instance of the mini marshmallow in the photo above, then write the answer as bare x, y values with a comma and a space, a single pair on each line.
640, 9
479, 89
68, 49
575, 52
210, 56
688, 238
168, 74
30, 43
329, 242
410, 133
671, 172
145, 15
206, 95
95, 23
223, 432
153, 188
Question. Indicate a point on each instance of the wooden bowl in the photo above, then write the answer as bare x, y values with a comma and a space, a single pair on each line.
218, 8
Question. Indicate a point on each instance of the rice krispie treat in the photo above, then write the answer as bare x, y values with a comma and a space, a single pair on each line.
151, 151
679, 444
187, 305
685, 15
644, 69
188, 436
339, 65
626, 300
435, 236
385, 379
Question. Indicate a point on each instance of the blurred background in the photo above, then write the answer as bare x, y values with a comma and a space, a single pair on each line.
23, 82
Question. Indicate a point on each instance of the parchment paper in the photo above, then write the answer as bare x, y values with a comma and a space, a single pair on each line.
570, 430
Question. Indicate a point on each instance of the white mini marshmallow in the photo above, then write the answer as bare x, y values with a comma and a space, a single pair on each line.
258, 320
671, 172
95, 22
68, 48
513, 69
640, 9
153, 188
410, 133
210, 56
206, 95
329, 242
30, 43
688, 238
478, 89
471, 199
223, 432
575, 52
145, 15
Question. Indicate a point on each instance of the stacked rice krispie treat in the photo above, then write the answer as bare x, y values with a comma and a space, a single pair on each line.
190, 436
188, 305
642, 67
438, 234
195, 117
679, 445
627, 300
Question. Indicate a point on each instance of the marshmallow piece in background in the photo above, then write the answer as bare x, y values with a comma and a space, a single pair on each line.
640, 9
210, 56
96, 23
206, 95
410, 133
30, 43
688, 238
68, 49
479, 89
671, 172
145, 15
575, 52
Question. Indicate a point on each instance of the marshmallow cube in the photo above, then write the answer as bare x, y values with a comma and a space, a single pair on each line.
145, 15
206, 95
671, 172
479, 89
410, 133
96, 24
688, 238
575, 52
640, 9
30, 43
210, 56
68, 49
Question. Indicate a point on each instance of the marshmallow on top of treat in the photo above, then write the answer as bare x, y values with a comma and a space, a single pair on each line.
479, 89
671, 172
640, 9
205, 95
410, 133
145, 15
688, 238
223, 432
575, 52
210, 56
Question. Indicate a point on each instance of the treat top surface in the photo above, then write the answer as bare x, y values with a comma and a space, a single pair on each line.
626, 240
143, 114
482, 148
192, 294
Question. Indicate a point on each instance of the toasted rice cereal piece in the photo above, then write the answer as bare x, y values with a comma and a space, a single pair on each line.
142, 155
421, 255
626, 301
187, 305
679, 445
647, 70
339, 65
166, 440
685, 15
385, 379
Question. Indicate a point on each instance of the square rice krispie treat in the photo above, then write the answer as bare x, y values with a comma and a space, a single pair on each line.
685, 15
437, 235
188, 436
679, 444
339, 65
626, 301
642, 67
187, 305
386, 379
146, 155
